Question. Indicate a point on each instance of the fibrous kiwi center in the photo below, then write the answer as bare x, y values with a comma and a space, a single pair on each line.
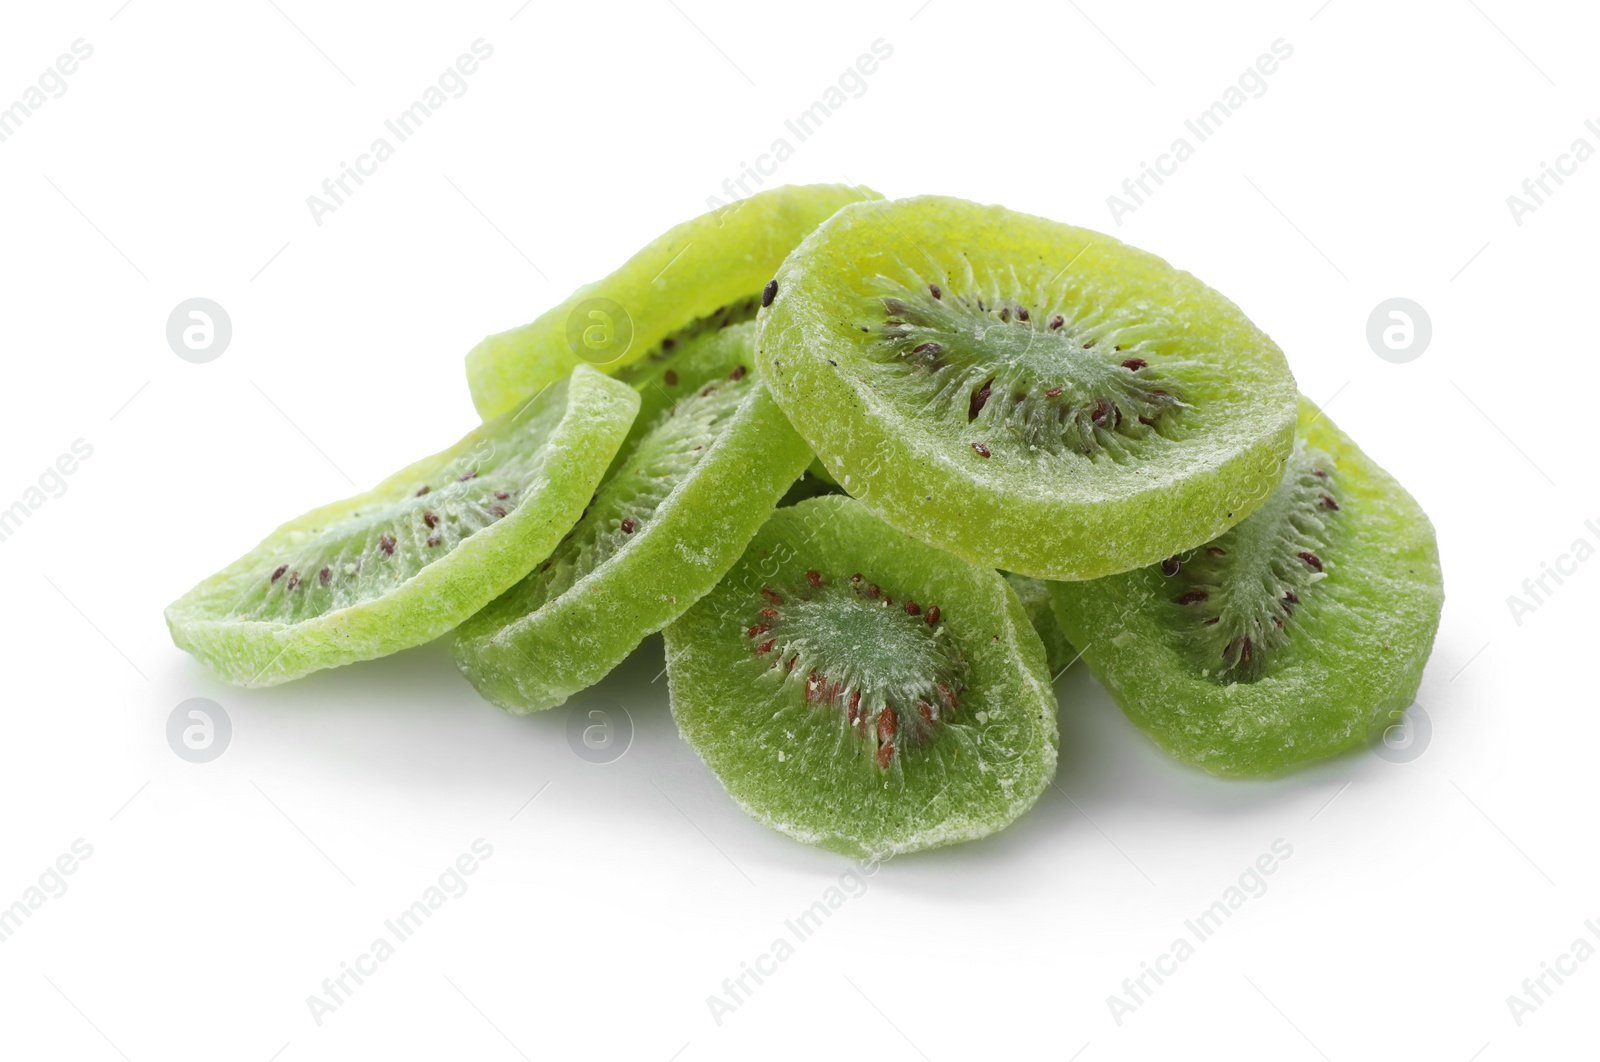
888, 667
622, 509
1055, 372
1240, 595
371, 550
665, 351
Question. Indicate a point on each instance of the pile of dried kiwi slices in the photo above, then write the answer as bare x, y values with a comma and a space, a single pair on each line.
879, 470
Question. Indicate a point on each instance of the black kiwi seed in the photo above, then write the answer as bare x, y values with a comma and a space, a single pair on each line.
979, 398
769, 293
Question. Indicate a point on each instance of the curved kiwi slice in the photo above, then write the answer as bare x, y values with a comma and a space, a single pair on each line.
697, 276
857, 690
1025, 394
420, 552
1034, 594
671, 517
1294, 636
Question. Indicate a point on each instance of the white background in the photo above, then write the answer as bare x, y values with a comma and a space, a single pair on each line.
219, 896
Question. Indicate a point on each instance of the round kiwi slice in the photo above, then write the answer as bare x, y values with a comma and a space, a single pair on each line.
700, 275
420, 552
857, 690
1025, 394
1294, 636
671, 517
1034, 594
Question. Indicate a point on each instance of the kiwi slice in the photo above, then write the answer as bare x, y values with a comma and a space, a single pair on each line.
697, 276
1034, 594
1025, 394
420, 552
1294, 636
710, 456
856, 689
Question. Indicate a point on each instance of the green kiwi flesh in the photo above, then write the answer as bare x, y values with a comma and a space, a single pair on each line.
699, 275
856, 689
1034, 594
1025, 394
408, 560
710, 455
1294, 636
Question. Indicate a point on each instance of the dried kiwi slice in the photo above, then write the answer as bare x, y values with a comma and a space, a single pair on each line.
420, 552
858, 690
1025, 394
1034, 594
1294, 636
711, 456
697, 276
